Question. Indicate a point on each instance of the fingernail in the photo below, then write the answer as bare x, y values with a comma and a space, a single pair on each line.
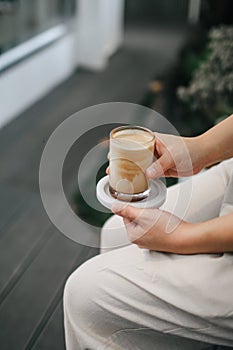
151, 172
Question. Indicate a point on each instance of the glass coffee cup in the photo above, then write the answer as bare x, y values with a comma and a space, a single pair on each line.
131, 153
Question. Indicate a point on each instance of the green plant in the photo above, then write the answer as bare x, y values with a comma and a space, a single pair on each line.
210, 90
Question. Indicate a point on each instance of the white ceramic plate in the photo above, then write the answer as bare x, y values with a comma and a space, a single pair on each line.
155, 199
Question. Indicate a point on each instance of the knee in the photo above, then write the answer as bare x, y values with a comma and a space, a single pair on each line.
79, 291
85, 299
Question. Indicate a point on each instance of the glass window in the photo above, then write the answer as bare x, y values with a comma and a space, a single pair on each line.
23, 19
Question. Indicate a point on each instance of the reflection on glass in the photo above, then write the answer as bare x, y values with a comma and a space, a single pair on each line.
22, 19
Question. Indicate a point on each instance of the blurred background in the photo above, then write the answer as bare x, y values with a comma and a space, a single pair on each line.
56, 58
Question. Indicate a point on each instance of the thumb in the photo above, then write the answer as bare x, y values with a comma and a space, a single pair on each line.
160, 166
126, 211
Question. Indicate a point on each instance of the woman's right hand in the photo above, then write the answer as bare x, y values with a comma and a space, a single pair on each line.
176, 156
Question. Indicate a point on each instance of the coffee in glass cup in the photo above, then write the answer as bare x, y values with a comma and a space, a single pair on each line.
131, 153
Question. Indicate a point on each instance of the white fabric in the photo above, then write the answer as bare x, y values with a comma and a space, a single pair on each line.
130, 298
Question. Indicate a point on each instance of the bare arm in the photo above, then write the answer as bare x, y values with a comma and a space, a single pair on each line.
148, 229
218, 142
213, 236
185, 156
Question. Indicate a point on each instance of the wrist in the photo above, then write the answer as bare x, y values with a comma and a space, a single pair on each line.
199, 152
207, 149
175, 241
189, 238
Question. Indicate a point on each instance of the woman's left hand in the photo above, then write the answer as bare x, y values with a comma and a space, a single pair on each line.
153, 229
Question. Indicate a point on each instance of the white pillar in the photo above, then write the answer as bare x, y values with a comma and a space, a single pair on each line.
99, 31
194, 11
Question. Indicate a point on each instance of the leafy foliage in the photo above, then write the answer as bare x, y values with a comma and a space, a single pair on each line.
211, 87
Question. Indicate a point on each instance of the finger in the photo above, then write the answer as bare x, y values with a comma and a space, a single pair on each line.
107, 170
156, 145
160, 166
171, 173
126, 211
108, 156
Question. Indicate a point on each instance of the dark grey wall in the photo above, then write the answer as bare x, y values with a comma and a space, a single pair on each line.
159, 10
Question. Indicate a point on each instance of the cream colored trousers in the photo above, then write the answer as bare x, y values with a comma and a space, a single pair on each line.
131, 298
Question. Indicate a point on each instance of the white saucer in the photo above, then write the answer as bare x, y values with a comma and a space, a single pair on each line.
155, 199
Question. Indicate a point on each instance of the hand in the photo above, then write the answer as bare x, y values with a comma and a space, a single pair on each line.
153, 229
176, 156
